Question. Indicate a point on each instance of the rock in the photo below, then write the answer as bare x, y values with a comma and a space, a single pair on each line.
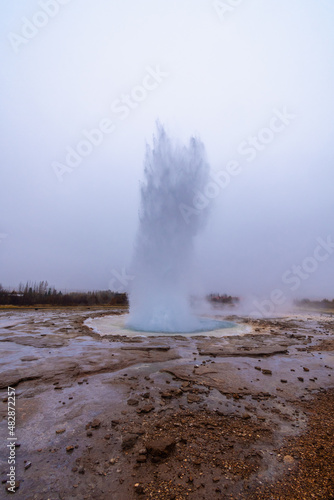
145, 348
306, 369
284, 381
161, 447
145, 409
300, 379
193, 398
89, 433
81, 470
112, 461
133, 402
288, 459
139, 489
246, 416
257, 368
69, 448
96, 423
265, 371
16, 487
60, 431
166, 395
27, 465
141, 459
128, 441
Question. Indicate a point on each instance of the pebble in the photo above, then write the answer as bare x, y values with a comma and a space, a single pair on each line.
133, 402
145, 409
193, 398
96, 423
128, 441
139, 489
16, 487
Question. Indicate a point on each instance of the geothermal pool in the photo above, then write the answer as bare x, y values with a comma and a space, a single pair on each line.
209, 327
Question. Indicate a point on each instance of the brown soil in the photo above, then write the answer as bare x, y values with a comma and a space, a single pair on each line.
310, 457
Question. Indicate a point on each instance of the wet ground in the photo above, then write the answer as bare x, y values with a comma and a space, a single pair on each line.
238, 417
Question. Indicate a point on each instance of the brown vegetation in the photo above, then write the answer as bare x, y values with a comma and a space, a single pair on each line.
41, 293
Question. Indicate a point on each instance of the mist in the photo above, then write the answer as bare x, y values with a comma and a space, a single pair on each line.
83, 86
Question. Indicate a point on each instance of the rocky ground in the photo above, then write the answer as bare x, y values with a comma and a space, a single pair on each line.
116, 418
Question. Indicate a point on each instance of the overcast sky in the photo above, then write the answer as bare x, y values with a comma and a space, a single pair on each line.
83, 84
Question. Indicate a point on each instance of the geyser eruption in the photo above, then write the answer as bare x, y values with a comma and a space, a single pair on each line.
175, 175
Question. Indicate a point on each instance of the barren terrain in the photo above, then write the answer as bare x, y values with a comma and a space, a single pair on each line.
243, 417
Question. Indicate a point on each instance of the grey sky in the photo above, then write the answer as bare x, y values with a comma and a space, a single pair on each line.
254, 79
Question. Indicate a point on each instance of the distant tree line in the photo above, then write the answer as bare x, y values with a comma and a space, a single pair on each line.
318, 304
223, 299
32, 294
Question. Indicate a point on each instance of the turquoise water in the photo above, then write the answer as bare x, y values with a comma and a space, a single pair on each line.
202, 325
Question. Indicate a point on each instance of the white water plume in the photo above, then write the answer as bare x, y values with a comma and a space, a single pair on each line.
174, 176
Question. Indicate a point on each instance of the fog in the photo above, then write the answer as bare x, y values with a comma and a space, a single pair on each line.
83, 84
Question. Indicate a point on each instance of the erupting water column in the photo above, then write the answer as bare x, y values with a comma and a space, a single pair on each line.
175, 176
